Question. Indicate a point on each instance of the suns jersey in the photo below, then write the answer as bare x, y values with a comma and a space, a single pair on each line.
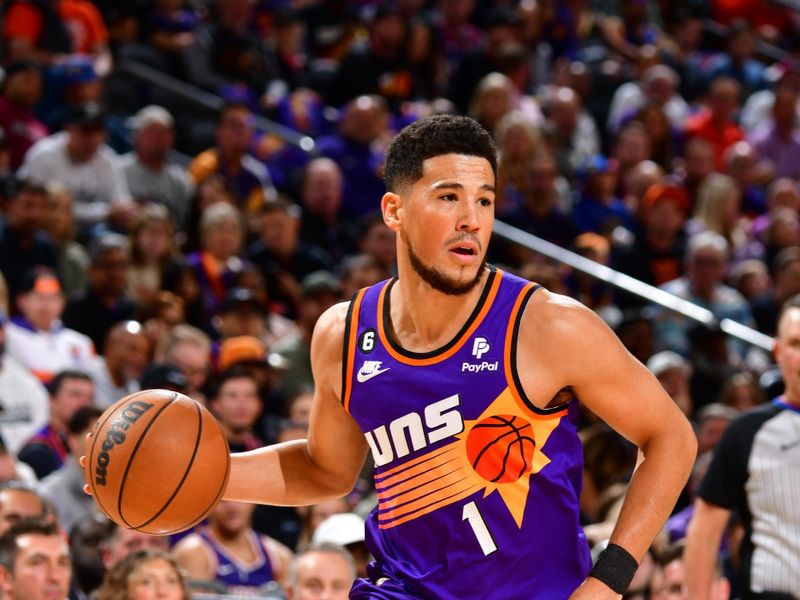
478, 489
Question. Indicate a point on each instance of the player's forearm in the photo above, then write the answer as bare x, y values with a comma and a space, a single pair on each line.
655, 488
284, 475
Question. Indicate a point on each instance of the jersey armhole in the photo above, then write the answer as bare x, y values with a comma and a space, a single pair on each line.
512, 339
349, 345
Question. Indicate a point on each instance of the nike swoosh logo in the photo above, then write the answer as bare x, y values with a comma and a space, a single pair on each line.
361, 377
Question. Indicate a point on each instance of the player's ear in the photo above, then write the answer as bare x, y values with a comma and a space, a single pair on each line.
5, 581
391, 205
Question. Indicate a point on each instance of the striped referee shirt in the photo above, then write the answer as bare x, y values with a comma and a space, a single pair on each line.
756, 471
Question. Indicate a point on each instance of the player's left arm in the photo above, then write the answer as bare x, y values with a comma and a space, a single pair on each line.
582, 352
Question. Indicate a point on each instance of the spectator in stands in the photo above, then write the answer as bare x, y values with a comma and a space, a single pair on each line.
228, 51
669, 580
142, 575
229, 551
716, 123
153, 250
37, 339
189, 349
503, 30
19, 501
698, 163
63, 488
786, 275
283, 257
217, 263
358, 271
149, 172
23, 243
243, 313
712, 421
706, 256
742, 392
79, 159
321, 195
116, 373
377, 64
47, 449
124, 542
673, 373
244, 176
21, 90
631, 148
236, 404
778, 139
539, 211
739, 61
34, 562
322, 571
570, 131
89, 540
599, 209
104, 301
47, 31
742, 164
362, 126
656, 254
518, 139
320, 291
73, 261
346, 530
717, 208
658, 85
23, 399
378, 241
495, 96
12, 469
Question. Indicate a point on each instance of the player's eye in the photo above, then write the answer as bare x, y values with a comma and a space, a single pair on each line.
449, 197
485, 202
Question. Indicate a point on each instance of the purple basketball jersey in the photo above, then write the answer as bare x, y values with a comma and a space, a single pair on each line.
478, 489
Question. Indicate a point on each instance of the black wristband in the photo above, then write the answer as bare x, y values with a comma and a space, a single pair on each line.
615, 567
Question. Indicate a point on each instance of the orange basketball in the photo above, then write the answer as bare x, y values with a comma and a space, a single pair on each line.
500, 448
157, 462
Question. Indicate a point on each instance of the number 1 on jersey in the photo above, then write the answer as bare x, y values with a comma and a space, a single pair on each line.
473, 515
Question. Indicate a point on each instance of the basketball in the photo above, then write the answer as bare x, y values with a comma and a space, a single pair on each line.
500, 448
157, 462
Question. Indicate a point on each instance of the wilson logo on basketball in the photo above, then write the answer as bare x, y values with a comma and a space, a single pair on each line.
115, 436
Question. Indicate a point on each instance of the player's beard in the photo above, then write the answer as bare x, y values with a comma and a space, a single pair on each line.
440, 281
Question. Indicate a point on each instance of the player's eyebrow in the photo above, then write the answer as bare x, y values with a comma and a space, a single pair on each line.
455, 185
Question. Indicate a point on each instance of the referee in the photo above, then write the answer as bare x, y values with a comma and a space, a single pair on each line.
756, 472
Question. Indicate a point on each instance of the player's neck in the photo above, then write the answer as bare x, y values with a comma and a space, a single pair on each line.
424, 319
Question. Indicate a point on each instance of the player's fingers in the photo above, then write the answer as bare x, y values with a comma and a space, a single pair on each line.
86, 489
82, 461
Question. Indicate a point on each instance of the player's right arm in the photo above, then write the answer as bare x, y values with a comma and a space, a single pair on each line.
327, 464
702, 547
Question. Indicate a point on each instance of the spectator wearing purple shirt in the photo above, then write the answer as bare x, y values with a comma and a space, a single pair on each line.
778, 141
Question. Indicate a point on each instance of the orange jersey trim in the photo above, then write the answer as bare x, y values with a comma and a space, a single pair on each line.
421, 362
350, 347
508, 362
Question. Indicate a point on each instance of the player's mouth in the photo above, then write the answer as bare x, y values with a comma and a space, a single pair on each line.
464, 252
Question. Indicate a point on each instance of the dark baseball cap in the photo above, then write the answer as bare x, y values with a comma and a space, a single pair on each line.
163, 376
320, 282
89, 115
239, 297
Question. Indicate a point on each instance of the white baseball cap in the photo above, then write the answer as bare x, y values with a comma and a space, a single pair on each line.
341, 529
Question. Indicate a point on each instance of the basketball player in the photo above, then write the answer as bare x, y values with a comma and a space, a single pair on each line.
413, 367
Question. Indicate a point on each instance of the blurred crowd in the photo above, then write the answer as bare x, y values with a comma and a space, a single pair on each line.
155, 234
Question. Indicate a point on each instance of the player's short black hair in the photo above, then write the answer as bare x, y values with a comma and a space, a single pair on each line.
435, 136
83, 418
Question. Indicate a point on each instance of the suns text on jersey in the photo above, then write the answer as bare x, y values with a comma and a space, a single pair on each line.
416, 430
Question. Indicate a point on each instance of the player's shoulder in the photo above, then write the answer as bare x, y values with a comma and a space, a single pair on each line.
329, 331
548, 312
